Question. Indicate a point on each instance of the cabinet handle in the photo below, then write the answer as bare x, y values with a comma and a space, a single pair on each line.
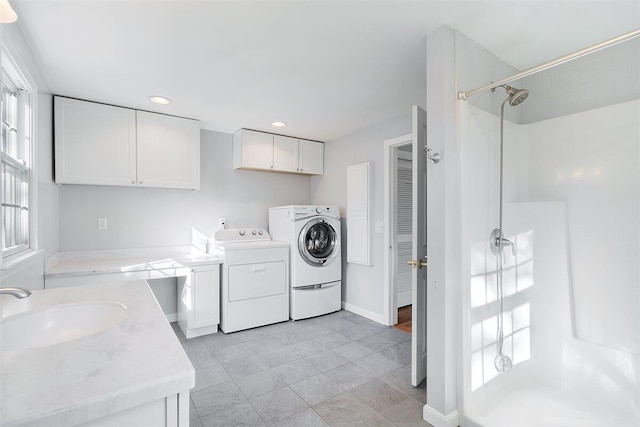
301, 170
133, 182
140, 182
271, 166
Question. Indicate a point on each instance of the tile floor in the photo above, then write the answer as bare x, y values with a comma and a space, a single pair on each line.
339, 370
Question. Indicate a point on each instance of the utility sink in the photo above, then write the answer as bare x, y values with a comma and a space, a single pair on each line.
58, 324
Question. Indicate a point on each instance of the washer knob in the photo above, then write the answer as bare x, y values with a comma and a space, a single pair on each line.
253, 232
260, 233
241, 232
319, 210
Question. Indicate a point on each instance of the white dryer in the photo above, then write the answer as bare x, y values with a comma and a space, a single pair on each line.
255, 279
316, 262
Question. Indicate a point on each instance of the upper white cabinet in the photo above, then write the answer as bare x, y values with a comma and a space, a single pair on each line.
100, 144
168, 151
265, 151
94, 143
252, 150
310, 157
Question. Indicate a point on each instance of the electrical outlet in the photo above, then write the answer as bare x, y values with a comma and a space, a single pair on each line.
102, 223
379, 227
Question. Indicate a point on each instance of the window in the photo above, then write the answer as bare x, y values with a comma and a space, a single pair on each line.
16, 157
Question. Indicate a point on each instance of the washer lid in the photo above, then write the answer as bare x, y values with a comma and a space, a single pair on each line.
241, 235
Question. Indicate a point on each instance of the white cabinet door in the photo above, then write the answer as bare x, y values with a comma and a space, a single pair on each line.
252, 150
285, 153
310, 157
94, 143
168, 151
205, 298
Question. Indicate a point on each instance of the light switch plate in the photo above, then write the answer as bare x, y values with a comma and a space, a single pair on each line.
380, 227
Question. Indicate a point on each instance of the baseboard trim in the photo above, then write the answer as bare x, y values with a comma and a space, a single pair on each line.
364, 313
172, 317
437, 419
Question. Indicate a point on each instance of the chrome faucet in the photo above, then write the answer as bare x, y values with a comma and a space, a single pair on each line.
16, 292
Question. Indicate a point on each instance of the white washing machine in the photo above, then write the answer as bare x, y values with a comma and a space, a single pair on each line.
316, 262
255, 279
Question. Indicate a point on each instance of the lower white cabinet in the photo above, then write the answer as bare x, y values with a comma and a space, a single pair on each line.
171, 411
199, 301
277, 153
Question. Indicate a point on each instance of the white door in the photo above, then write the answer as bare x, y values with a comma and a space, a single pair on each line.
419, 249
402, 219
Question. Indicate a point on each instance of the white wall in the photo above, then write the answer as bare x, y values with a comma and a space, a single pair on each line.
362, 286
148, 217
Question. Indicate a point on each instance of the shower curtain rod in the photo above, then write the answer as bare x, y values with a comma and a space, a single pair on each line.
624, 37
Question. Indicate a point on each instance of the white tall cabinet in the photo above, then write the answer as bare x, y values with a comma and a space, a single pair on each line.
277, 153
98, 144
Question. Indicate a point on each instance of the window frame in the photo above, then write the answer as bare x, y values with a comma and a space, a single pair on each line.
14, 68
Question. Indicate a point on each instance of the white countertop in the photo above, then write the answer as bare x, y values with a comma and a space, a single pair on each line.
138, 360
65, 264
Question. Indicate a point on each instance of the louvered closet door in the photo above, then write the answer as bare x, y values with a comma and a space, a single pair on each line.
402, 228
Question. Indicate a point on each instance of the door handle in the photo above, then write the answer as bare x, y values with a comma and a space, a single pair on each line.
413, 263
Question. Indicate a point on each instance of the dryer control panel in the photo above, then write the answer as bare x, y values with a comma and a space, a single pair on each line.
241, 235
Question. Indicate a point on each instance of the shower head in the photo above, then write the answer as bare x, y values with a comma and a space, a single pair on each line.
515, 96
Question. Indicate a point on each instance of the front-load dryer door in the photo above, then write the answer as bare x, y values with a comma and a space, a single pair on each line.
318, 242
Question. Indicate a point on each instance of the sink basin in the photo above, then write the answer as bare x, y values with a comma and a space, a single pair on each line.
59, 324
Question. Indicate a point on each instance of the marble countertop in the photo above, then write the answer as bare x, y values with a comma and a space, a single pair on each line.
66, 264
137, 361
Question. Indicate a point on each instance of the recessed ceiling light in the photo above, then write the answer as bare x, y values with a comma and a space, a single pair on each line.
278, 124
160, 100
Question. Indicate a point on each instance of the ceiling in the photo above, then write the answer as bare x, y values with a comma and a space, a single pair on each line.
326, 68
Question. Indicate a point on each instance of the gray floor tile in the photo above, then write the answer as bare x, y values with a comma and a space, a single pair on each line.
279, 356
400, 353
253, 334
203, 359
220, 340
212, 375
196, 422
401, 380
377, 364
238, 368
326, 360
278, 405
294, 371
292, 336
353, 351
264, 344
332, 339
241, 414
193, 412
306, 418
407, 413
217, 398
337, 324
316, 389
194, 345
378, 394
358, 332
349, 376
396, 335
377, 342
347, 410
235, 351
260, 383
307, 348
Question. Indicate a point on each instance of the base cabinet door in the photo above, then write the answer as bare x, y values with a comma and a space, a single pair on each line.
199, 301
